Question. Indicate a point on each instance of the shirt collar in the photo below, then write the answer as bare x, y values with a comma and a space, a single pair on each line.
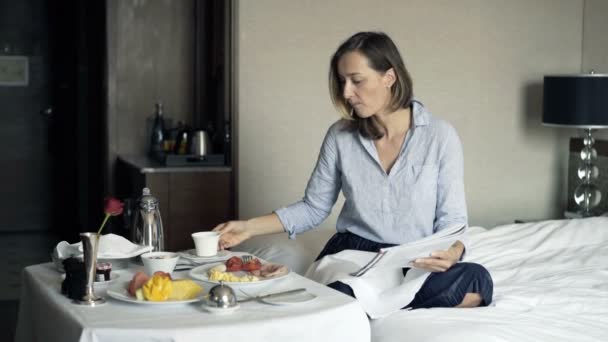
419, 114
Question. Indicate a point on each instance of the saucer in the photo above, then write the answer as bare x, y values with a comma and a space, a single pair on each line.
191, 254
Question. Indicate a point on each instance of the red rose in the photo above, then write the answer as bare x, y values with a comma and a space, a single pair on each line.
113, 207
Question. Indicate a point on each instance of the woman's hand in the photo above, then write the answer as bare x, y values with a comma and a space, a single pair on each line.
441, 261
232, 233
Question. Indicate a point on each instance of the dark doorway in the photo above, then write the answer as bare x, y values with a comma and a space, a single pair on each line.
25, 163
52, 125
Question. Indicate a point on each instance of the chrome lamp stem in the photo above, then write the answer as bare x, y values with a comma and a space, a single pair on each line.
587, 195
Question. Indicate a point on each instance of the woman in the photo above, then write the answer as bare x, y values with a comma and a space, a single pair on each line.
400, 169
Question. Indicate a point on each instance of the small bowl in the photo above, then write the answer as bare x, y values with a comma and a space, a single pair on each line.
159, 261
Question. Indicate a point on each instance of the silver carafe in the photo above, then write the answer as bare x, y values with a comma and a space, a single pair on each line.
148, 225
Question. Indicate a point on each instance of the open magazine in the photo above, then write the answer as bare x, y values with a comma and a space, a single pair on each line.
402, 255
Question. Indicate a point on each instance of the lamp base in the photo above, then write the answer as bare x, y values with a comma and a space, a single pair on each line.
576, 215
587, 195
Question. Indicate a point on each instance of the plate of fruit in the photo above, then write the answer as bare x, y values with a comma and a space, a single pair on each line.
158, 289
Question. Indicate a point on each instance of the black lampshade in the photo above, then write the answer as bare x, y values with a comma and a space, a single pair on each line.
576, 100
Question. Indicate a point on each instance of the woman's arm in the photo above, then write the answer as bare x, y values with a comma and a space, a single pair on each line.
321, 194
235, 232
451, 200
451, 204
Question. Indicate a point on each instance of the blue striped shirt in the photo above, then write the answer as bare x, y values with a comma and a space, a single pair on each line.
422, 194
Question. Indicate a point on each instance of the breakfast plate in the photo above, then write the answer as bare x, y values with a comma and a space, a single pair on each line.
119, 291
201, 273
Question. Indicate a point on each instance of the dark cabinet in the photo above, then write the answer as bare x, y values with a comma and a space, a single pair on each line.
191, 199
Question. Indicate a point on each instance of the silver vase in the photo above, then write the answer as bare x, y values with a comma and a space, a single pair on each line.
89, 249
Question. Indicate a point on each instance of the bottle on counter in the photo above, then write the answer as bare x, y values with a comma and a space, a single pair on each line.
184, 139
157, 142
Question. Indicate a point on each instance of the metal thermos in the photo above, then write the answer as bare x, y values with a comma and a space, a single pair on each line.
148, 225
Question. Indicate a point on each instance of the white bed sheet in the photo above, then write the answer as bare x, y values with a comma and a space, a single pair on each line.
550, 284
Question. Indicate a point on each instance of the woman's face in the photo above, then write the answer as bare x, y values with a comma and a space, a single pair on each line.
366, 90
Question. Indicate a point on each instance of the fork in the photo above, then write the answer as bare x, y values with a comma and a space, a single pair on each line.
369, 265
246, 258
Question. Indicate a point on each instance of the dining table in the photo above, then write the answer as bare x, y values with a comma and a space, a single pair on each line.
47, 315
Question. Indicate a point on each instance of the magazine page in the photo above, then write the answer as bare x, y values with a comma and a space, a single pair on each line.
402, 255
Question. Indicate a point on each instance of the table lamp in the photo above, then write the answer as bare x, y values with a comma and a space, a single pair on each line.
579, 101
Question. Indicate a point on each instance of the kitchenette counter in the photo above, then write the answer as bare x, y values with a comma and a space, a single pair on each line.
191, 198
147, 165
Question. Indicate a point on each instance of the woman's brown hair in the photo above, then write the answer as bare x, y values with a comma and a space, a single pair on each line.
382, 55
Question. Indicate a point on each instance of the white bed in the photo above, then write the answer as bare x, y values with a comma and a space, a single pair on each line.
550, 284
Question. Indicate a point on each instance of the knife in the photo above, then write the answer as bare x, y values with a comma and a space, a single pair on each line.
273, 295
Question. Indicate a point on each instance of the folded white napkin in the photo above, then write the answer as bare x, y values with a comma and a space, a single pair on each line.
111, 246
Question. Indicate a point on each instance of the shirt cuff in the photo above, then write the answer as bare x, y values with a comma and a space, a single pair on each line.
288, 227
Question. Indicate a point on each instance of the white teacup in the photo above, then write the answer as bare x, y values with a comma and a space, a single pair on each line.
159, 261
206, 243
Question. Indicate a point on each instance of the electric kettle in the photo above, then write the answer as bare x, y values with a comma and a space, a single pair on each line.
201, 144
148, 225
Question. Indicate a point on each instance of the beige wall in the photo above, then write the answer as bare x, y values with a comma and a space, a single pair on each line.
595, 42
150, 59
476, 63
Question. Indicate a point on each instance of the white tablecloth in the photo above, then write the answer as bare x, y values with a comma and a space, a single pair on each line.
46, 315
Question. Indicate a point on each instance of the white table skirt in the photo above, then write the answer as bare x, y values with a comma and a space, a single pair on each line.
46, 315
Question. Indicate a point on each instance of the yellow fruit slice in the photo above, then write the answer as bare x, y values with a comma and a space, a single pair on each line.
184, 289
158, 288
